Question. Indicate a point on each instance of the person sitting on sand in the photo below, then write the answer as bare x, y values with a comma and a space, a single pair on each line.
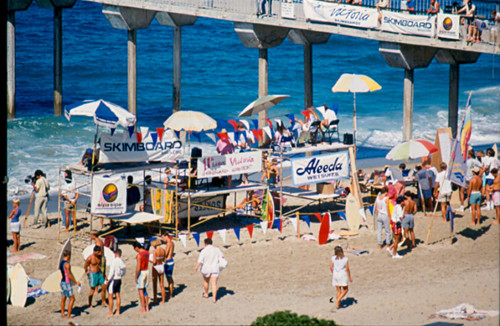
341, 274
117, 271
66, 279
96, 278
474, 191
15, 224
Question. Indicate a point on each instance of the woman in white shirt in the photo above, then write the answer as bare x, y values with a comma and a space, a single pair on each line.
209, 263
382, 212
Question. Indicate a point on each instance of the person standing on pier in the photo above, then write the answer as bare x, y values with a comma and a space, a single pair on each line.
433, 8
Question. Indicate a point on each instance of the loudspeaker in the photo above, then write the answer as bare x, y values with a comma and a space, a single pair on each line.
196, 152
348, 139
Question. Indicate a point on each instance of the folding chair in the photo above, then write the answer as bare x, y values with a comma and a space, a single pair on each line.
331, 130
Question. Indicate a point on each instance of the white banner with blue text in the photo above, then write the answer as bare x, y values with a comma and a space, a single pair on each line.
229, 164
320, 168
402, 23
332, 12
109, 195
448, 26
140, 147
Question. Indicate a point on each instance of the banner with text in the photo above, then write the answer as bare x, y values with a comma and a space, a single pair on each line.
448, 26
230, 164
109, 195
395, 22
121, 147
320, 168
332, 12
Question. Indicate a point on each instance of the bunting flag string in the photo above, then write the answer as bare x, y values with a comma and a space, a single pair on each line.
362, 213
294, 223
144, 131
307, 220
222, 123
342, 215
211, 135
258, 134
307, 114
291, 116
237, 232
160, 131
256, 123
210, 234
154, 137
318, 216
246, 124
223, 136
222, 234
197, 135
196, 236
269, 122
370, 208
183, 238
233, 123
131, 131
268, 131
139, 137
263, 226
177, 133
113, 131
250, 230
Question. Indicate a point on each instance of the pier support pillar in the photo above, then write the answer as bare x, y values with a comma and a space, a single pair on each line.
176, 21
58, 6
130, 19
307, 39
261, 37
455, 58
408, 57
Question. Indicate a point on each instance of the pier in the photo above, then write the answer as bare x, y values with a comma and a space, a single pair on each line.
406, 42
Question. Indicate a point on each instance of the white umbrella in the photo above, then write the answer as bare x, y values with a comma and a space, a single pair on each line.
261, 104
355, 84
190, 121
105, 114
411, 149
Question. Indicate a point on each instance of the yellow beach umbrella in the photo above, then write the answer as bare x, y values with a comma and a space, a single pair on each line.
355, 84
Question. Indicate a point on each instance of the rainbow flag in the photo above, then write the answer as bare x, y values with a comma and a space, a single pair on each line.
466, 129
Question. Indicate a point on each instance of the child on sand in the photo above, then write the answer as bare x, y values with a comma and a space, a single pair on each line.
339, 266
116, 271
15, 224
66, 279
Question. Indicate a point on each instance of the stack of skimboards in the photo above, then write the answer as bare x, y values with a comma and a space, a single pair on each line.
53, 282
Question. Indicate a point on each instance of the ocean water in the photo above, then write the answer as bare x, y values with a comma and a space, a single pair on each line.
219, 77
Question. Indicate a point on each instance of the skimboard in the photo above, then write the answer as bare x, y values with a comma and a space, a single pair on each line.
67, 245
352, 212
19, 286
53, 282
324, 230
108, 254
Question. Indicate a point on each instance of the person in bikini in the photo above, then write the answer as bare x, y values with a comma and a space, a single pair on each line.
158, 269
474, 192
169, 262
96, 277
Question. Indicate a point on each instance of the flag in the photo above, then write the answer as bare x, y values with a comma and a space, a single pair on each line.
160, 132
458, 168
466, 129
307, 219
342, 216
294, 223
250, 230
263, 226
196, 236
222, 234
210, 234
318, 216
237, 232
183, 238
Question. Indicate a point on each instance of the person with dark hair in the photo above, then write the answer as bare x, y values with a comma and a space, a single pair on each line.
117, 271
96, 277
382, 213
490, 162
133, 193
396, 218
141, 275
208, 265
66, 288
169, 262
69, 196
408, 223
495, 189
341, 274
41, 187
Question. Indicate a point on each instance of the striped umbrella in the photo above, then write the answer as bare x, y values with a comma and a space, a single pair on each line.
411, 149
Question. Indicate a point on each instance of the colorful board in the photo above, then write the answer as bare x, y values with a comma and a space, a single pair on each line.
19, 286
66, 246
53, 282
108, 254
352, 212
324, 230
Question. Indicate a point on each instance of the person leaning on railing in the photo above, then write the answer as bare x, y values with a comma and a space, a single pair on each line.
470, 12
433, 8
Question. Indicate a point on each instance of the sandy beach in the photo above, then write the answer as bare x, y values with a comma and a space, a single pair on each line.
279, 271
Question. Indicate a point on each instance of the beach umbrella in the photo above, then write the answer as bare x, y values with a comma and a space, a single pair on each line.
261, 104
105, 114
411, 149
351, 83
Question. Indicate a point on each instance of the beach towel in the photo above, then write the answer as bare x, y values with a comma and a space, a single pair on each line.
35, 293
465, 311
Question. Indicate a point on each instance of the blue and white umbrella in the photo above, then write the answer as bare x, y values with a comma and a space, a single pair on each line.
105, 113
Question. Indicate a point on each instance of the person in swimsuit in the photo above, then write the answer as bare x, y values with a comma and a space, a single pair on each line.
495, 189
396, 218
96, 278
141, 275
66, 279
158, 270
408, 224
169, 262
475, 187
15, 224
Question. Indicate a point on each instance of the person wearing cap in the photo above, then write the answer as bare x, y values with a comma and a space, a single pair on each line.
69, 196
474, 192
41, 187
